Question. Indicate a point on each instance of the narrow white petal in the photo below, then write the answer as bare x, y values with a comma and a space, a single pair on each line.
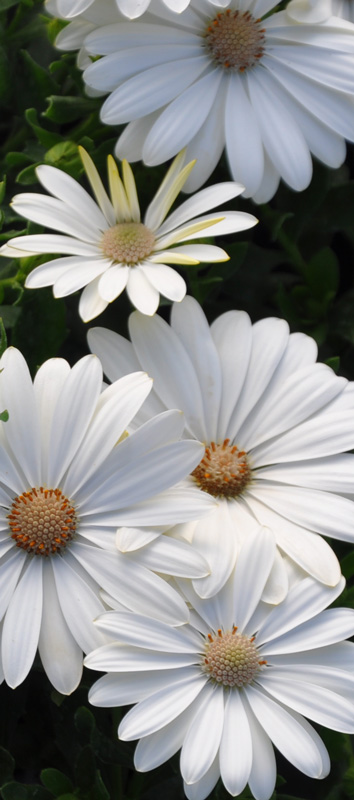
244, 145
264, 769
91, 304
79, 604
319, 704
327, 628
153, 750
191, 107
60, 654
20, 639
159, 709
203, 737
254, 562
141, 292
73, 414
304, 601
113, 282
115, 408
165, 358
140, 631
155, 596
288, 733
165, 280
236, 746
22, 428
173, 557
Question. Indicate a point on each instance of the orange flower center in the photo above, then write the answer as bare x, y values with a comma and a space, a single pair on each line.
224, 470
42, 521
128, 242
235, 40
231, 658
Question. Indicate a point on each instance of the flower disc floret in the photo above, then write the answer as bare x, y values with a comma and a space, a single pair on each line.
224, 470
42, 521
128, 242
231, 658
235, 40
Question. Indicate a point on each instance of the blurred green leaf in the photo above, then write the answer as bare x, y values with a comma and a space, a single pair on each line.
68, 109
56, 781
84, 723
14, 791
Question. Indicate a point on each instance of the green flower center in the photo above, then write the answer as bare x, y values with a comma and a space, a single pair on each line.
42, 521
128, 242
235, 40
231, 659
224, 470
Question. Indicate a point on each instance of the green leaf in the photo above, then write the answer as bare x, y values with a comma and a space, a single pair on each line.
56, 781
14, 791
9, 316
36, 77
68, 109
40, 328
322, 274
46, 138
4, 416
333, 363
2, 189
347, 565
7, 763
4, 4
84, 723
348, 782
27, 176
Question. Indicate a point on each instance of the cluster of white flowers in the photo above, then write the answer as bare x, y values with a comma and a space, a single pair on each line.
193, 506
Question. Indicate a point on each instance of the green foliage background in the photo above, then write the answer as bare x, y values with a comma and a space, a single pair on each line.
298, 263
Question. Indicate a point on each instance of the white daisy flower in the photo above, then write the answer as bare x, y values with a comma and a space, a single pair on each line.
274, 424
109, 248
65, 487
267, 89
234, 682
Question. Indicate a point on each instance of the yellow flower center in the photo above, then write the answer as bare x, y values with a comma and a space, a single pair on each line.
224, 470
231, 659
128, 242
42, 521
235, 40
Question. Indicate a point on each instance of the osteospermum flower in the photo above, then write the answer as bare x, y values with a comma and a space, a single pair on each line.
234, 682
274, 425
65, 487
267, 89
109, 248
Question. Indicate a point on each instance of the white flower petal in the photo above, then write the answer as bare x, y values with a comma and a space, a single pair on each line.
19, 639
155, 596
79, 604
203, 737
236, 746
113, 282
304, 601
91, 304
141, 293
327, 628
60, 654
159, 709
73, 414
288, 733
